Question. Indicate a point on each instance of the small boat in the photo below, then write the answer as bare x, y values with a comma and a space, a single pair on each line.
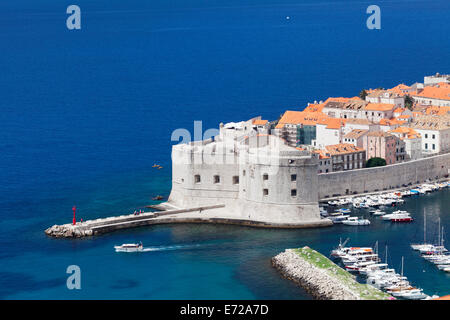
337, 217
129, 247
378, 212
402, 218
158, 197
355, 221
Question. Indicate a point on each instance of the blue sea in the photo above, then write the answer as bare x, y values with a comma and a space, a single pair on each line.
84, 114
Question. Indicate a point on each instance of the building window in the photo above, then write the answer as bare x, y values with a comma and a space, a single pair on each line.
216, 179
426, 145
434, 136
293, 192
197, 178
265, 192
434, 147
235, 179
265, 176
426, 135
243, 173
294, 177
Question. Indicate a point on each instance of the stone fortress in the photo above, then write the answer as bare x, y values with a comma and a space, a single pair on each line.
255, 175
258, 179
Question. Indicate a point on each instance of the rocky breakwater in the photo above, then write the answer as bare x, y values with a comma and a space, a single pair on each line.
321, 278
68, 231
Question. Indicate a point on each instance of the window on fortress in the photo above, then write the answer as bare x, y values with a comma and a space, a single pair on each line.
235, 179
243, 173
197, 178
265, 177
216, 179
294, 176
293, 192
265, 192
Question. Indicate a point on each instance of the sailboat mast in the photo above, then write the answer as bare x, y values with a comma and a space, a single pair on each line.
386, 256
403, 258
424, 227
439, 231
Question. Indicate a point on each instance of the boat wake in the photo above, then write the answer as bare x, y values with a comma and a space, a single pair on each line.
172, 247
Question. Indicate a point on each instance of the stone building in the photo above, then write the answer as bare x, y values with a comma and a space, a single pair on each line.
256, 176
345, 156
380, 144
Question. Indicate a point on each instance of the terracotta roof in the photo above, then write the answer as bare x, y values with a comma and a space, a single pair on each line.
260, 122
355, 133
378, 134
437, 110
314, 107
392, 122
401, 89
379, 107
342, 148
301, 117
435, 92
431, 122
382, 93
405, 132
332, 123
322, 154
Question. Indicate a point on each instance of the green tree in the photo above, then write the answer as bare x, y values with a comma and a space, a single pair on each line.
363, 94
409, 101
375, 162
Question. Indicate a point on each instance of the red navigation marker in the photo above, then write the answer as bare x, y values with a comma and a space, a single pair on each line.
74, 221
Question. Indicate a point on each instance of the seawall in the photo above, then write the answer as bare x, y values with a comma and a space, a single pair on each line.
321, 278
383, 178
205, 214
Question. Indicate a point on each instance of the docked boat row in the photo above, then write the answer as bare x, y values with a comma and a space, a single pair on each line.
434, 253
387, 199
342, 216
365, 261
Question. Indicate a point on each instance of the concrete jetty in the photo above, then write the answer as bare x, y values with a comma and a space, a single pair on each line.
170, 214
322, 278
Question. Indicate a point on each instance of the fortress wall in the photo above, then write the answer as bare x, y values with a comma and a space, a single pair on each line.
186, 164
383, 178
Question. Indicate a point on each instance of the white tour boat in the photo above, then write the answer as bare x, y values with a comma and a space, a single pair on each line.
129, 247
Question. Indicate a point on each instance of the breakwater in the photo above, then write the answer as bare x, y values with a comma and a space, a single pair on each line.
104, 225
203, 214
322, 278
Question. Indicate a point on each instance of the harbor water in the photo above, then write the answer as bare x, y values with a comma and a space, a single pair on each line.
85, 114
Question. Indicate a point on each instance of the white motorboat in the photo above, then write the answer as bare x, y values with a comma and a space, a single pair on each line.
369, 269
395, 214
378, 212
411, 294
355, 221
129, 247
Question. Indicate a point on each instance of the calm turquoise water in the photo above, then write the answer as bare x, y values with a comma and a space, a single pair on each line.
84, 116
